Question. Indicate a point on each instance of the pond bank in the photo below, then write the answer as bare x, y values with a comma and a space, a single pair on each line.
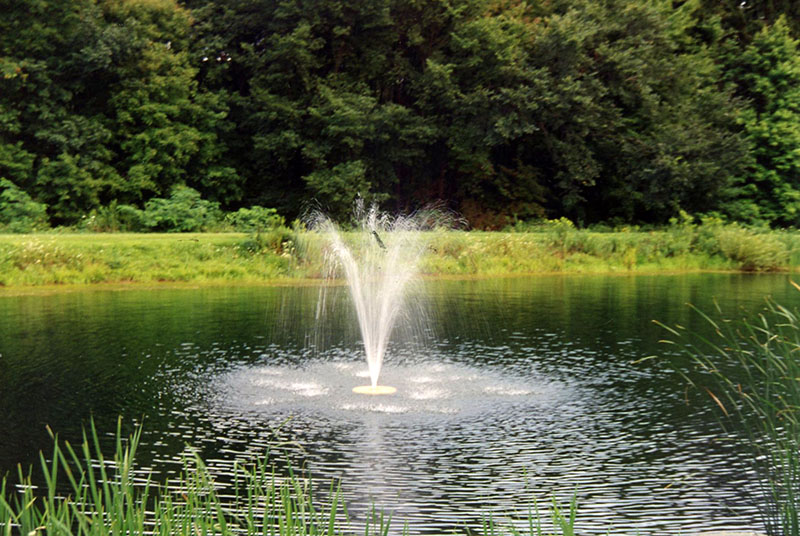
282, 256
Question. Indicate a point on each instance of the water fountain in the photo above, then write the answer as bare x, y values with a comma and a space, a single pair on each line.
378, 259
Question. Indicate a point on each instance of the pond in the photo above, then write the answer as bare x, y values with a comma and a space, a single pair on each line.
519, 389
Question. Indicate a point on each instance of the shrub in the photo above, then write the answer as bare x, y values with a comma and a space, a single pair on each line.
274, 240
18, 212
114, 218
183, 211
254, 219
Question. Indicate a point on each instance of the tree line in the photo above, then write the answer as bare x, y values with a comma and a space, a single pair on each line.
615, 111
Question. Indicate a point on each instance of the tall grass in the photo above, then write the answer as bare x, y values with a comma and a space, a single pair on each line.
750, 370
284, 254
88, 494
43, 259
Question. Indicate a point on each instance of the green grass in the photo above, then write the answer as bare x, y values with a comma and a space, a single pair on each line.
45, 259
86, 493
751, 371
284, 255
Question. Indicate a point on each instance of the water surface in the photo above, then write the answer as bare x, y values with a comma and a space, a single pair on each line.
519, 389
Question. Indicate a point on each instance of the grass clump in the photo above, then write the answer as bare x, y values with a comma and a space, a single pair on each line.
752, 251
751, 371
85, 493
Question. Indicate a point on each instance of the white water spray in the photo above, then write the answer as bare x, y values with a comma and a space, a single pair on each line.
379, 259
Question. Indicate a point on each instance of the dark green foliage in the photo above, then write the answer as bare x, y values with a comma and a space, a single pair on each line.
767, 75
645, 131
504, 110
183, 211
18, 212
339, 187
98, 101
745, 18
624, 111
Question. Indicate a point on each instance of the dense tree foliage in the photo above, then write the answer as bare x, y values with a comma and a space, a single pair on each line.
767, 74
626, 111
99, 102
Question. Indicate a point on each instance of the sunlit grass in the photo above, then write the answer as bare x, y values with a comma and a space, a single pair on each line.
283, 254
43, 259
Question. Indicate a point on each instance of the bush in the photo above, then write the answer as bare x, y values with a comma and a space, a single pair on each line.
114, 218
255, 219
18, 212
276, 240
184, 211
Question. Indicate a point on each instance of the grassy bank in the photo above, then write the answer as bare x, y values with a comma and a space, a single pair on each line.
282, 254
42, 259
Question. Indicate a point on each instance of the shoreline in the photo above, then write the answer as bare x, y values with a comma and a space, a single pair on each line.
122, 286
63, 262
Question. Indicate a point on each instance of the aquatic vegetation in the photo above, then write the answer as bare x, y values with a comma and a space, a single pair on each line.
86, 493
751, 372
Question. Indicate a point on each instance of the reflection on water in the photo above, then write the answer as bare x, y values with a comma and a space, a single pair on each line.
526, 389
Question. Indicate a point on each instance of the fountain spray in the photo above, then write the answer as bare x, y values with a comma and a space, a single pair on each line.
378, 260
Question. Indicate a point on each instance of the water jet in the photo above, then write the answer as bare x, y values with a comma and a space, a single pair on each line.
378, 260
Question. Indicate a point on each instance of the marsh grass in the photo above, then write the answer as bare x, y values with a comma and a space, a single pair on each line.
750, 370
85, 493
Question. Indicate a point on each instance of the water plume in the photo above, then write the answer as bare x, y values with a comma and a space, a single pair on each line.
378, 259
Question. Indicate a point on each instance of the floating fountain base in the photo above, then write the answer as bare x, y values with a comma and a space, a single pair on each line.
374, 390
